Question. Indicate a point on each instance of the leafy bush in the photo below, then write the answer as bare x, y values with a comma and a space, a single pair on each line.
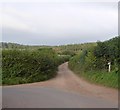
93, 63
22, 66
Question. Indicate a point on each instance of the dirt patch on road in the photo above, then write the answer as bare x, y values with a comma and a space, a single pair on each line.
69, 81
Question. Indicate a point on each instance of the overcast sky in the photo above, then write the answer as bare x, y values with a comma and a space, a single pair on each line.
56, 23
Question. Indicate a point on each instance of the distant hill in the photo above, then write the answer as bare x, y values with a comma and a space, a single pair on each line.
5, 45
70, 49
74, 48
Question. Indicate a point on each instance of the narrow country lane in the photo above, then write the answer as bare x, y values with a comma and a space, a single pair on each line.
66, 90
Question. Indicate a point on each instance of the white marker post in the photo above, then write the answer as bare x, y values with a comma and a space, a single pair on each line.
109, 64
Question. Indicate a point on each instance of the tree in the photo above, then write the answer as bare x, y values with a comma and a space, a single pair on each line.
90, 60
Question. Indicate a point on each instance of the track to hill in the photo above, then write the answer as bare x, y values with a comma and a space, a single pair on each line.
64, 91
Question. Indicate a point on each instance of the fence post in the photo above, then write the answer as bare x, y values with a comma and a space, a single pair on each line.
109, 64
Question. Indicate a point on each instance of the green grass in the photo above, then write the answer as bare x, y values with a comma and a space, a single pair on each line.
104, 78
108, 79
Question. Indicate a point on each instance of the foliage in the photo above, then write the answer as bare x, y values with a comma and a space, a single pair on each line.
10, 46
101, 77
67, 52
23, 66
107, 52
73, 49
92, 63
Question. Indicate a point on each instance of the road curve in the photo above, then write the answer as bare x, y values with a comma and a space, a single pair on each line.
66, 90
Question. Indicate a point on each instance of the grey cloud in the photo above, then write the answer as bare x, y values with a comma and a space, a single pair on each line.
56, 24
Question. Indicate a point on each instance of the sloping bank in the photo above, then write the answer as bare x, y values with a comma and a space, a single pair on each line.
25, 66
92, 64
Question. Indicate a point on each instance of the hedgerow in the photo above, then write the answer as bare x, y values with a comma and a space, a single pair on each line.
25, 66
